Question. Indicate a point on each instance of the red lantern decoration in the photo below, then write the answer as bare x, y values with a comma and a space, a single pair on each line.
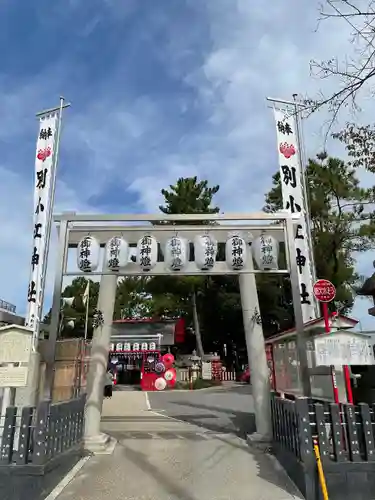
168, 360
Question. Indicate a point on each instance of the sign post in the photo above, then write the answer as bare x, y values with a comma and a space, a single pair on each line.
15, 356
325, 292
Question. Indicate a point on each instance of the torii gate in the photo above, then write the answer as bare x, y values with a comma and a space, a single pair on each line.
73, 227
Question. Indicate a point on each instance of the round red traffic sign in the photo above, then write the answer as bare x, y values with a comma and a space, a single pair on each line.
324, 291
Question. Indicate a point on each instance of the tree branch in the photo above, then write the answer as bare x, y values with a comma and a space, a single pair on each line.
354, 74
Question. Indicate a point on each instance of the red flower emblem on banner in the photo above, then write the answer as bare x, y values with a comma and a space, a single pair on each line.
288, 150
44, 153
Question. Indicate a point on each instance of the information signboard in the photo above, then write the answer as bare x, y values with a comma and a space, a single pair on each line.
343, 348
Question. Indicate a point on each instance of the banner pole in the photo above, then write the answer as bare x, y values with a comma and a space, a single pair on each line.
87, 310
49, 218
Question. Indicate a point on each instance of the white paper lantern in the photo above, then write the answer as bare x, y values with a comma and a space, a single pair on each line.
68, 301
88, 254
160, 384
119, 347
136, 346
144, 346
205, 248
236, 253
176, 253
266, 252
147, 253
127, 346
116, 253
169, 375
152, 346
111, 347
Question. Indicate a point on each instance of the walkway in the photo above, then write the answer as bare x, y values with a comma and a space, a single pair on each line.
159, 457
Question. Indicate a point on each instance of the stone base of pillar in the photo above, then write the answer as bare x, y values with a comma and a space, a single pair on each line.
100, 445
259, 441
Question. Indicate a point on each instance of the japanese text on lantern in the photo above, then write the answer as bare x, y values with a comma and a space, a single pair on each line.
237, 252
293, 201
176, 251
84, 260
209, 253
42, 187
114, 253
267, 250
145, 252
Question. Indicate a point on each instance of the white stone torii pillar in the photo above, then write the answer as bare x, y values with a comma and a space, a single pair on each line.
95, 441
256, 354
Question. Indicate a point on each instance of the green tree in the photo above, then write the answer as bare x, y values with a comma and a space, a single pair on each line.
213, 304
221, 314
359, 142
275, 303
131, 302
338, 226
188, 196
131, 299
182, 294
77, 311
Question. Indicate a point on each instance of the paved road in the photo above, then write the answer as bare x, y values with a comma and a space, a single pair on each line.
159, 457
219, 409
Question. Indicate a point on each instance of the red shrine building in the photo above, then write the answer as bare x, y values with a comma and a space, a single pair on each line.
134, 340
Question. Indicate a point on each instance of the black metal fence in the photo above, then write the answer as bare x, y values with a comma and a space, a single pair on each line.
36, 436
345, 434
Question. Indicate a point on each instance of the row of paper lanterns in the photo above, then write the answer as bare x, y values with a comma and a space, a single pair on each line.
265, 250
126, 346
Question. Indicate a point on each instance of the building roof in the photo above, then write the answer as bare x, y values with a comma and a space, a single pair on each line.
341, 322
11, 318
13, 326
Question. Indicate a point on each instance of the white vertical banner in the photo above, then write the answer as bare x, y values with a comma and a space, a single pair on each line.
293, 201
44, 162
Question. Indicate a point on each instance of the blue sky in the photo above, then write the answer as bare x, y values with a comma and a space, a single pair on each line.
159, 89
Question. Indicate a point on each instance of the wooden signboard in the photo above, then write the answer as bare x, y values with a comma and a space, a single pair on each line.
15, 349
15, 344
13, 376
343, 348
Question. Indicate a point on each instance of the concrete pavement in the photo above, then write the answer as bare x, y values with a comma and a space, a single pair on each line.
159, 457
228, 408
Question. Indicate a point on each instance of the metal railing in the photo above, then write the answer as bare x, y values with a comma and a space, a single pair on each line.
37, 435
225, 376
345, 437
345, 433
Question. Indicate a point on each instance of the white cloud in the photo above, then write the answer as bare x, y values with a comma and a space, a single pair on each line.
218, 127
16, 209
254, 52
